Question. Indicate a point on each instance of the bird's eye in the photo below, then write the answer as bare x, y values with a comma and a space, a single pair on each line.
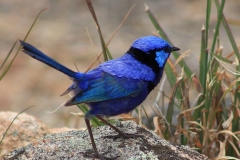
167, 50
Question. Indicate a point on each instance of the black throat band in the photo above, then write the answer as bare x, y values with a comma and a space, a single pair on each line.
149, 60
145, 58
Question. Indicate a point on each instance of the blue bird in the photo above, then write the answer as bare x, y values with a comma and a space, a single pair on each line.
116, 86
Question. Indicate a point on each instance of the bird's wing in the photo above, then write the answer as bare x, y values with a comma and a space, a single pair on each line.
128, 67
107, 87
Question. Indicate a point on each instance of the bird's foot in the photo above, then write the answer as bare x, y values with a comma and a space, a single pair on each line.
124, 135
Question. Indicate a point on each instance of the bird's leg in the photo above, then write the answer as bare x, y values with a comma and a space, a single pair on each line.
91, 137
97, 155
120, 133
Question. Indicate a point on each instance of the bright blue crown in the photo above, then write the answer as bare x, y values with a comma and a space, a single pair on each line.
150, 43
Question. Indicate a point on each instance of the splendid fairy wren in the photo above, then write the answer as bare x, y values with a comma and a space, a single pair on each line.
116, 86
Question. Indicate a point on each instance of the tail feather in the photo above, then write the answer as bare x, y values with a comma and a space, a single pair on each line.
38, 55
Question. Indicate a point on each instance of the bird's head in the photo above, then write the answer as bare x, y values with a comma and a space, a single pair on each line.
152, 50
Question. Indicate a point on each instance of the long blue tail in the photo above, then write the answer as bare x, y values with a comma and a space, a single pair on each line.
38, 55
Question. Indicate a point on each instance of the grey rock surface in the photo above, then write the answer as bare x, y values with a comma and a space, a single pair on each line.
77, 145
25, 130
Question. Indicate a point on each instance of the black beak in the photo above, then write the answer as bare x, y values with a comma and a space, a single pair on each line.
175, 49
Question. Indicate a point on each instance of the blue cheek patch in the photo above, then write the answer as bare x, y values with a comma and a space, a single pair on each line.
161, 57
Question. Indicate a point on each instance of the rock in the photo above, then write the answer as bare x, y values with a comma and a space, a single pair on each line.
77, 145
24, 130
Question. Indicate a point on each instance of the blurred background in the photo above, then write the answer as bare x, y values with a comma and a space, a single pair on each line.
61, 33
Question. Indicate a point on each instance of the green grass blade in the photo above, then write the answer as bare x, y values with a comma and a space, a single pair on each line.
33, 24
168, 70
228, 31
95, 122
220, 10
221, 58
161, 32
208, 94
172, 79
149, 120
235, 123
203, 68
156, 24
13, 121
169, 114
10, 64
91, 9
9, 53
170, 75
208, 13
108, 52
202, 73
203, 62
166, 133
